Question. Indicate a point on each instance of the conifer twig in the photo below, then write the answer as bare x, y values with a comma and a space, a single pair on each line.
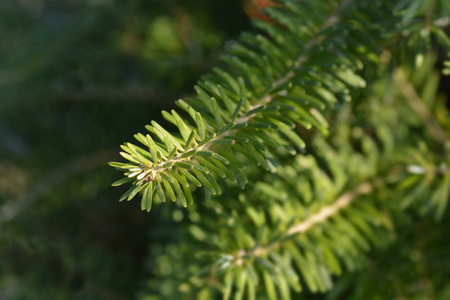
330, 210
325, 213
243, 118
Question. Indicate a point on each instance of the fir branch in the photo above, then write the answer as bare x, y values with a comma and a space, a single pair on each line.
244, 115
271, 117
325, 213
328, 211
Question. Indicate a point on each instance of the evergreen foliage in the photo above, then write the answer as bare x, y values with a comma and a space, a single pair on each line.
337, 103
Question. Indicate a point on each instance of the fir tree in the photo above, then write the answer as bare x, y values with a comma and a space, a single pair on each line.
319, 139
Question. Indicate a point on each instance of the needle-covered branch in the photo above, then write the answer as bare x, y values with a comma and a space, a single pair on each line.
271, 83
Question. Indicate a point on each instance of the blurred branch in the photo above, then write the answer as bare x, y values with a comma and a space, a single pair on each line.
109, 93
328, 211
419, 106
11, 208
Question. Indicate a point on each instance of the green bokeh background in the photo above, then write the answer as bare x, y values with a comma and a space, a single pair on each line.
77, 79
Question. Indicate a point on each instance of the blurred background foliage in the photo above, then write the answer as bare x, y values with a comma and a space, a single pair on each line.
70, 72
